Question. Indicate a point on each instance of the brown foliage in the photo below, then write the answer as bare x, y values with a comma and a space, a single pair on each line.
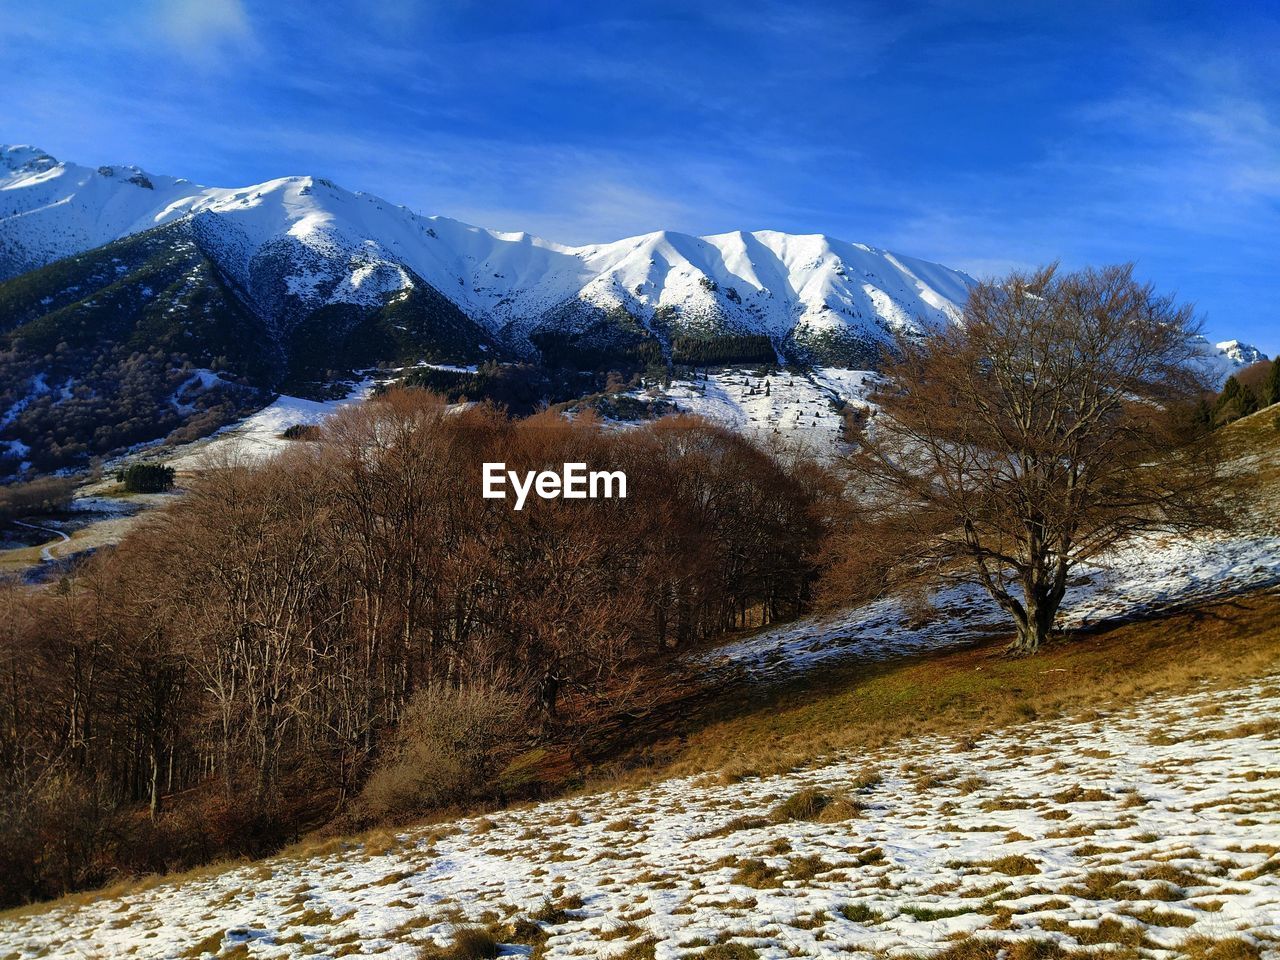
449, 745
1053, 423
251, 650
43, 495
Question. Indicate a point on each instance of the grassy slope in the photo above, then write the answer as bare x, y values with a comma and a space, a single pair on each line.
972, 690
977, 689
969, 692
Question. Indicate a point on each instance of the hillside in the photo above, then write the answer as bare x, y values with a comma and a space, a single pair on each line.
1106, 817
878, 781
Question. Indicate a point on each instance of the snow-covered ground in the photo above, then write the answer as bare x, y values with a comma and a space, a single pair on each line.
259, 435
796, 408
1143, 577
1147, 825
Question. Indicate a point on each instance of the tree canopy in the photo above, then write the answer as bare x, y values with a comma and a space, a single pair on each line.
1050, 424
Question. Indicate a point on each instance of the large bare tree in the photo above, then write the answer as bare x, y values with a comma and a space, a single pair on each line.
1047, 426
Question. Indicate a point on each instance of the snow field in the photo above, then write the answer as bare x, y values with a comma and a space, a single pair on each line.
1143, 826
258, 436
799, 410
1147, 575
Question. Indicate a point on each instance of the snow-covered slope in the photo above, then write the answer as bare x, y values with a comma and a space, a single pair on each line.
50, 210
1146, 575
802, 410
1221, 360
297, 244
307, 238
1242, 354
1149, 823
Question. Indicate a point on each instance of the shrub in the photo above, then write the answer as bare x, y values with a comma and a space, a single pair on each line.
54, 837
450, 744
468, 943
302, 431
45, 495
805, 805
867, 779
526, 931
806, 868
557, 912
813, 805
757, 874
146, 477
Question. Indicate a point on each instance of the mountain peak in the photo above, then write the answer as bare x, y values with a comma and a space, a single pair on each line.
1242, 353
25, 158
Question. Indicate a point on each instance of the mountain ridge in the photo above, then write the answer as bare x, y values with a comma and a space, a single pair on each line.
814, 296
336, 246
122, 286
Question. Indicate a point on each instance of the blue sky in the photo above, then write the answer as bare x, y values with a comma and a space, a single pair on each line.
981, 135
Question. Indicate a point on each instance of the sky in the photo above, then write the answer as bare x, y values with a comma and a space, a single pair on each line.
985, 136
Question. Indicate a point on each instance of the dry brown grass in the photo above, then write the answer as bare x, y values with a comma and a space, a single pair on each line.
1264, 728
757, 874
643, 949
1207, 948
1124, 947
973, 691
1109, 930
815, 806
1014, 865
468, 943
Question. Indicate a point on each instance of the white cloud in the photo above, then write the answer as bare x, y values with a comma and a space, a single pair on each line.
204, 31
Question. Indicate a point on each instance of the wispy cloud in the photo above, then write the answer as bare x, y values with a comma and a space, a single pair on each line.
986, 136
204, 32
1199, 135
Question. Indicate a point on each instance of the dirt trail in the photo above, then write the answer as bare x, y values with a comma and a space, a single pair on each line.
46, 552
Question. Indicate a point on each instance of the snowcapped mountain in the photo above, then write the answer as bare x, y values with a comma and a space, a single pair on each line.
1221, 360
134, 305
1241, 354
298, 244
50, 210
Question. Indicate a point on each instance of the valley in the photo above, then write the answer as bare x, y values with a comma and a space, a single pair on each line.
1124, 816
652, 481
879, 781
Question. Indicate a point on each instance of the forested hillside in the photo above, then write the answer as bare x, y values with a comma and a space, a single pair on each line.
237, 666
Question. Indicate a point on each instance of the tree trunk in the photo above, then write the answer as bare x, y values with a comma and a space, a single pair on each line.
154, 785
1036, 622
1028, 640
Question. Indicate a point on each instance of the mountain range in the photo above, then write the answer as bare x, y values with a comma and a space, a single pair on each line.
200, 300
297, 245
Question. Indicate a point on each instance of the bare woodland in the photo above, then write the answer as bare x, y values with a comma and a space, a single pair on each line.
231, 674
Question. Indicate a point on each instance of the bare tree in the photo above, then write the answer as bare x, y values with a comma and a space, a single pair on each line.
239, 665
1049, 425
